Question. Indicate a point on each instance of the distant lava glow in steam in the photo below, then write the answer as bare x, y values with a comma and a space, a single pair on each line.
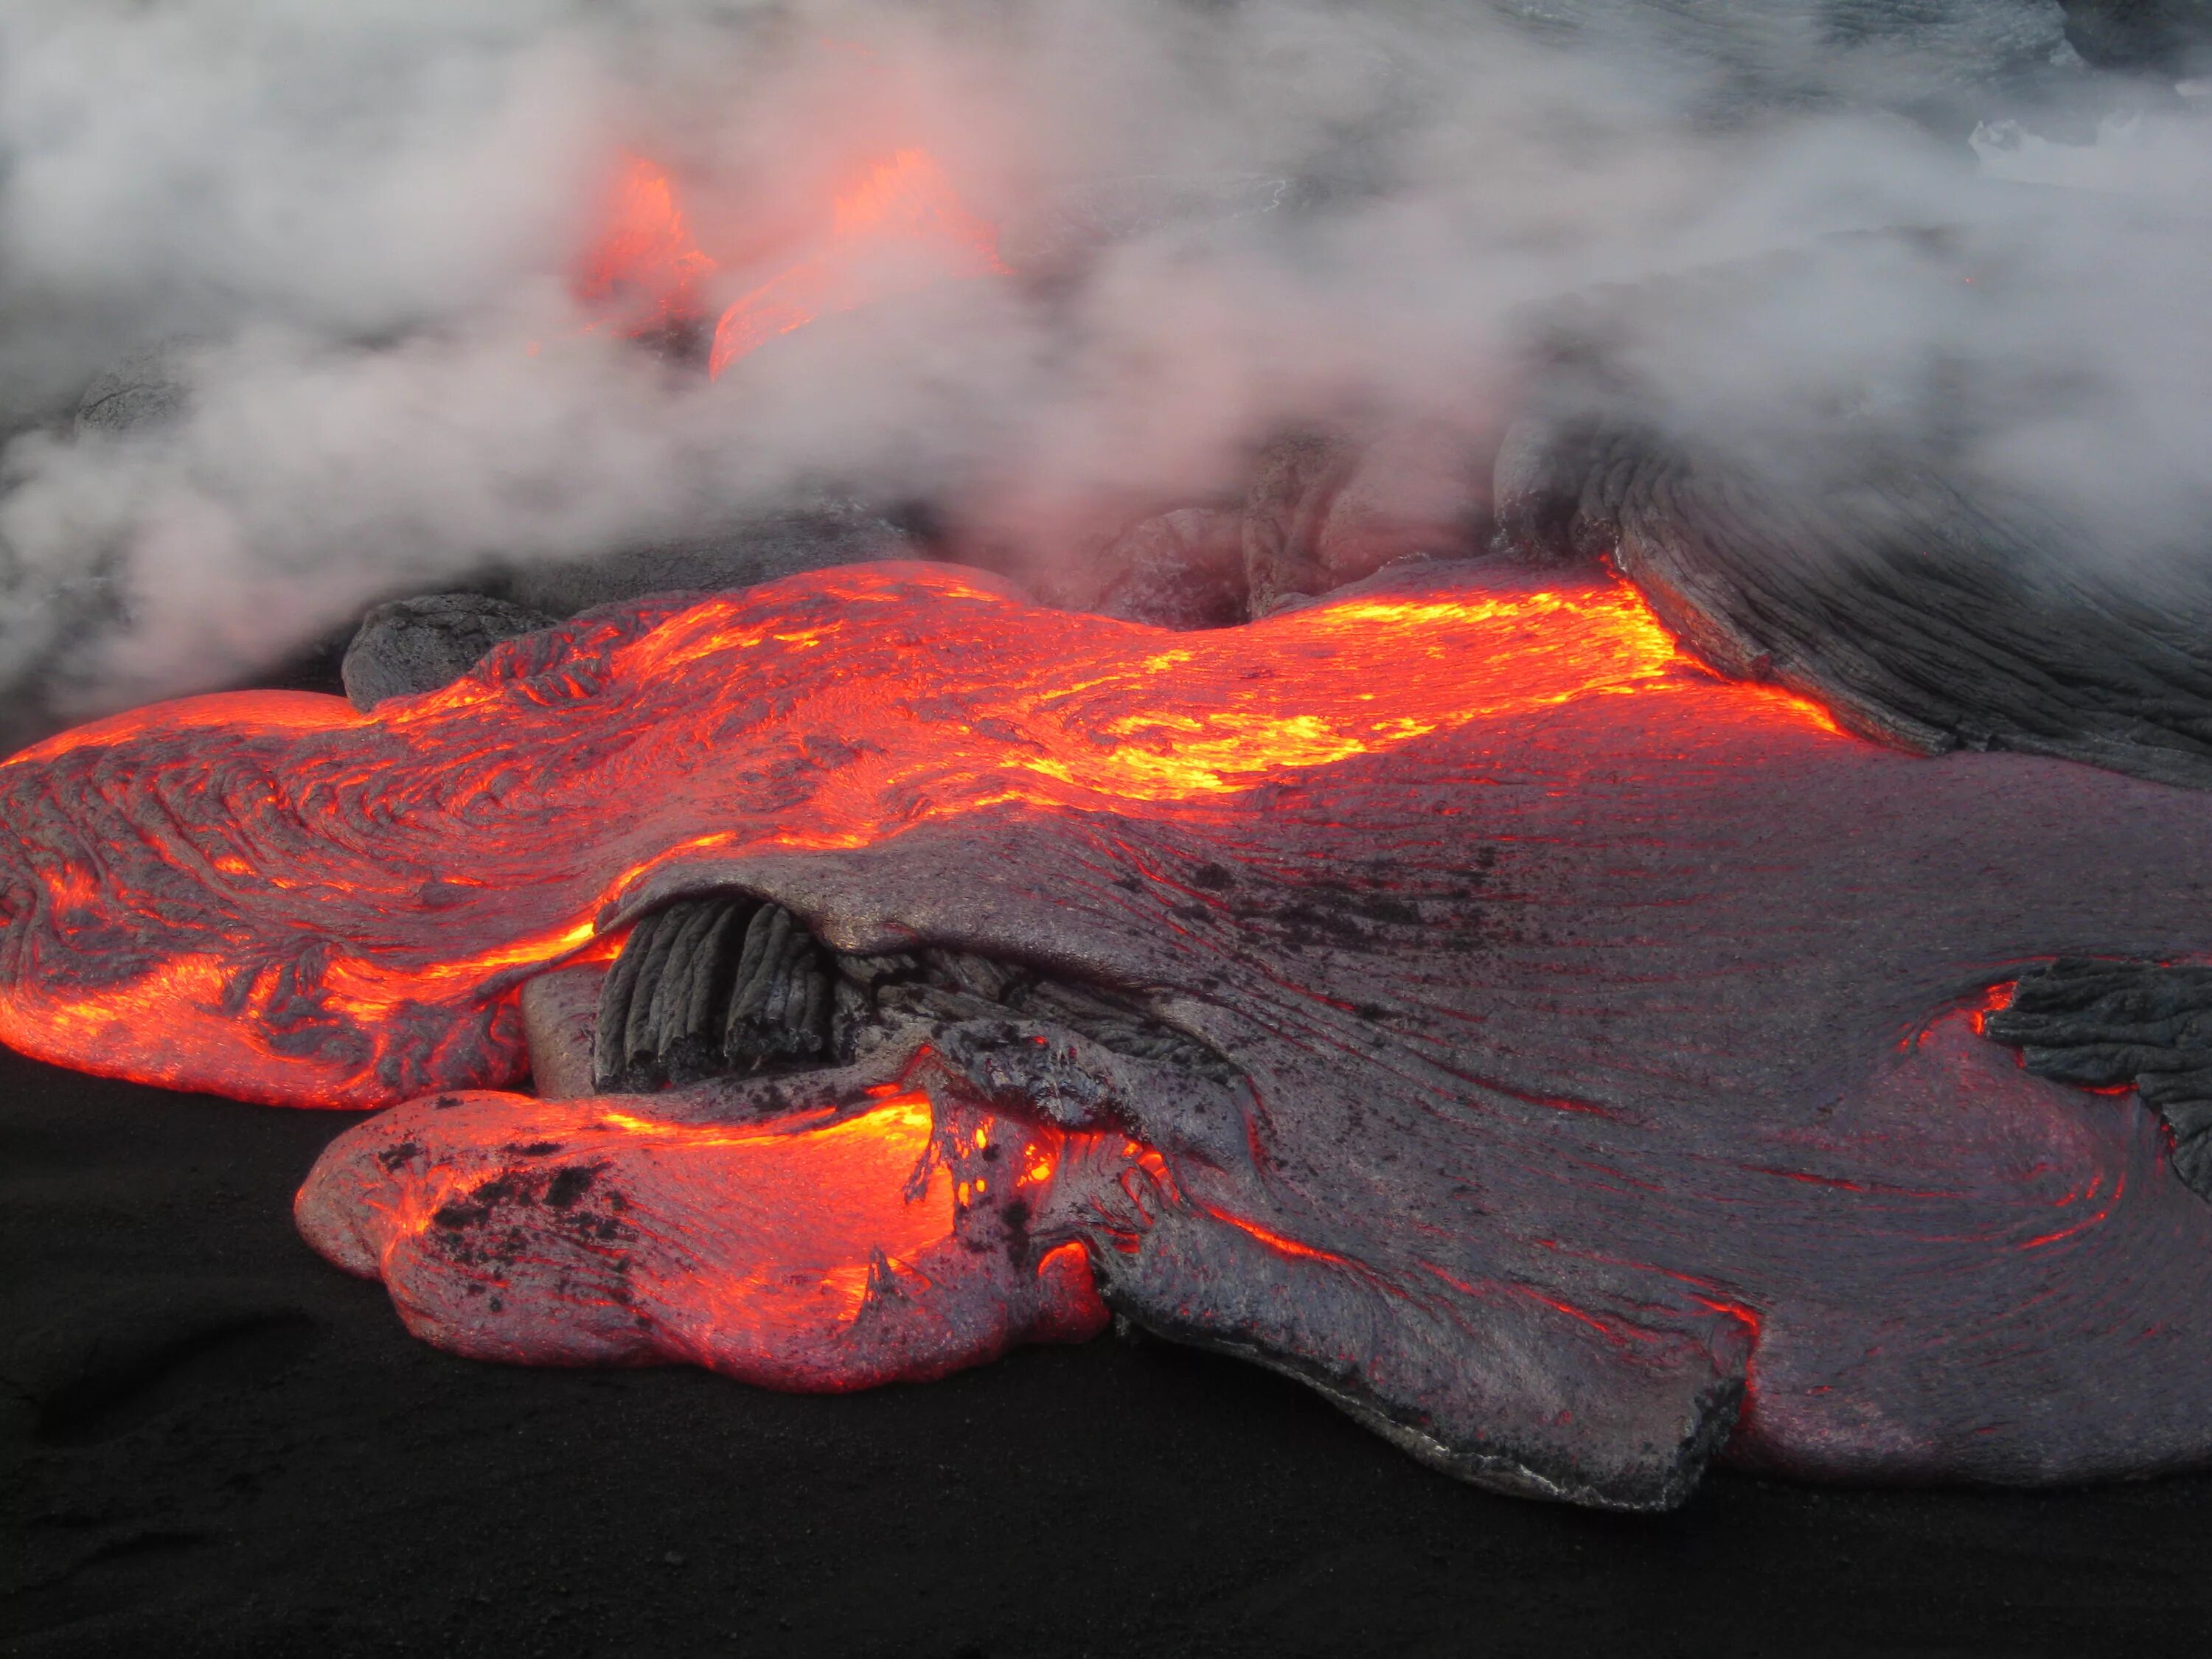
643, 270
896, 226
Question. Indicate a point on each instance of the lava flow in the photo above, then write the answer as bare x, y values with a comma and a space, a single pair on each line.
896, 226
269, 896
1445, 992
823, 1252
644, 271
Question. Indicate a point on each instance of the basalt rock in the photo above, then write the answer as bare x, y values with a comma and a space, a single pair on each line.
811, 537
2171, 37
1922, 614
146, 391
727, 984
1865, 560
1182, 570
1293, 488
411, 646
1329, 508
1942, 62
722, 985
2120, 1024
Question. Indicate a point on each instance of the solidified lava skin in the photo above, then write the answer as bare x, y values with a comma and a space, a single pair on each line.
269, 896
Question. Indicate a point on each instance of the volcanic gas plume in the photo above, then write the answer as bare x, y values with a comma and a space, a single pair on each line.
360, 305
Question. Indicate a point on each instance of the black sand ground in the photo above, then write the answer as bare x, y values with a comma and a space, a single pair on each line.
217, 1444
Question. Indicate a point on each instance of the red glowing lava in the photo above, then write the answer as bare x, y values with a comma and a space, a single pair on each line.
643, 270
896, 226
269, 896
818, 1252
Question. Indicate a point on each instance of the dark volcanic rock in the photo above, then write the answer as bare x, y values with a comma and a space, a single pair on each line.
1417, 492
412, 646
739, 556
1919, 613
1182, 569
1293, 488
143, 392
2169, 36
1541, 1085
2112, 1024
1846, 542
1943, 63
374, 1496
725, 985
415, 645
1329, 508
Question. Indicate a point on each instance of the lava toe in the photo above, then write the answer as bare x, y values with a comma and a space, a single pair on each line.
824, 1251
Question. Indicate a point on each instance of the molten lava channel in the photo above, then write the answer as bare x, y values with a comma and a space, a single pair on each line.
269, 896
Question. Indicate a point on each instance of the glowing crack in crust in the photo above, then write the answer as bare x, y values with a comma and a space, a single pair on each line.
1575, 1068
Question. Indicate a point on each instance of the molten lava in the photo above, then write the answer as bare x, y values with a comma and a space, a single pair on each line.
827, 1252
269, 896
899, 229
897, 226
1446, 993
643, 270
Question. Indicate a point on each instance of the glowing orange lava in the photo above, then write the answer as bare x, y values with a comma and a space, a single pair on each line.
898, 226
643, 269
816, 1252
269, 896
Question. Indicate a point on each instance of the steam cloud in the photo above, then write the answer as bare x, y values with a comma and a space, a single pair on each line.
347, 231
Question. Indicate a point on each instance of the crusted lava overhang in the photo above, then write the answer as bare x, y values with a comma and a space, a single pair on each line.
1589, 1075
1861, 543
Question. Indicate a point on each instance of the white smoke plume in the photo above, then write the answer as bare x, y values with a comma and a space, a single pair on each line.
350, 232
